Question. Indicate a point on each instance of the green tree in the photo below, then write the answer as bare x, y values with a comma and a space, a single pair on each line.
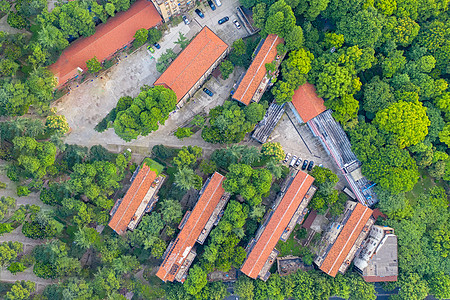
9, 252
171, 211
440, 285
377, 95
344, 108
280, 19
182, 40
444, 135
273, 150
187, 156
21, 290
407, 121
16, 267
244, 288
93, 65
325, 179
393, 63
6, 203
412, 287
183, 132
154, 35
294, 39
141, 36
195, 281
87, 237
208, 166
110, 9
226, 68
186, 179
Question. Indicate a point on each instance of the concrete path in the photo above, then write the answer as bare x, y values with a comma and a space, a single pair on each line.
6, 276
4, 26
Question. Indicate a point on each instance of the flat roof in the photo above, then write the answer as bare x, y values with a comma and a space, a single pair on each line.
346, 239
277, 224
192, 229
193, 62
108, 38
132, 199
257, 70
307, 103
383, 265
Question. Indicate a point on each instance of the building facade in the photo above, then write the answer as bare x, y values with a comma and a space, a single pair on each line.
170, 8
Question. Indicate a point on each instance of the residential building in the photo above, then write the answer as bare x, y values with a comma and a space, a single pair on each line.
109, 37
254, 83
377, 258
170, 8
339, 245
265, 127
306, 104
289, 209
193, 65
139, 199
336, 143
195, 227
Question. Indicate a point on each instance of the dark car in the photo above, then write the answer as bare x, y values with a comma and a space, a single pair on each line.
186, 20
305, 164
211, 4
199, 13
208, 92
311, 165
157, 46
223, 20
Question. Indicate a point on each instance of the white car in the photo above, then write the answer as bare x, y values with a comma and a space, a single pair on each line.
218, 3
237, 24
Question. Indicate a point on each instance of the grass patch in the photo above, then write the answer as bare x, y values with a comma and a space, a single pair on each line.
290, 247
154, 166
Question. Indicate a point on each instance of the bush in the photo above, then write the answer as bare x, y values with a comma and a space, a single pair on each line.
12, 173
183, 132
93, 65
162, 151
16, 267
154, 35
2, 185
16, 21
5, 228
22, 191
226, 68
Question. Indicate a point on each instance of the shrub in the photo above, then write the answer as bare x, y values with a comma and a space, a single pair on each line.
5, 228
2, 185
93, 65
183, 132
16, 21
16, 267
22, 191
12, 173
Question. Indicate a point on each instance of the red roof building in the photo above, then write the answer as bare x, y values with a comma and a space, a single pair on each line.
109, 37
194, 64
140, 197
195, 227
349, 236
262, 252
255, 81
306, 102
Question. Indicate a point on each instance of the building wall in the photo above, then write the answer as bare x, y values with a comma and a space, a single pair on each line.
170, 8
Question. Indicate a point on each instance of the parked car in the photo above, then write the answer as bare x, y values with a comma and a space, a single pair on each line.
218, 3
320, 166
186, 20
211, 4
299, 161
199, 13
150, 48
293, 160
287, 158
311, 165
208, 92
237, 24
157, 46
305, 164
223, 20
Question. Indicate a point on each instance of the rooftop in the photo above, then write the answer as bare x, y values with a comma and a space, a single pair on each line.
194, 61
257, 70
267, 124
347, 237
276, 225
307, 103
177, 252
108, 38
127, 207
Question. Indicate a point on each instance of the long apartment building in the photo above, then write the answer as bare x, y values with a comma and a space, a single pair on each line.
289, 210
341, 242
139, 199
195, 227
252, 86
193, 65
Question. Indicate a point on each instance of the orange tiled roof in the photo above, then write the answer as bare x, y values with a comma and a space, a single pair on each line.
193, 227
346, 239
257, 70
187, 69
108, 38
132, 199
277, 224
307, 103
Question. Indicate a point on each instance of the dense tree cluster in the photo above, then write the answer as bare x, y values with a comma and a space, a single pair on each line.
229, 123
144, 114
